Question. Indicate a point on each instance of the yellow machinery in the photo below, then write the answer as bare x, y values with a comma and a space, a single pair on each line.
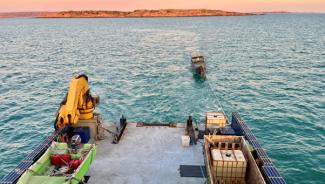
78, 104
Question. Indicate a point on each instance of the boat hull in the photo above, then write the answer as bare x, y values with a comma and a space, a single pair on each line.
199, 69
38, 172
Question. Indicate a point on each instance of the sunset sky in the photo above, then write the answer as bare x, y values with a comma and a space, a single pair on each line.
233, 5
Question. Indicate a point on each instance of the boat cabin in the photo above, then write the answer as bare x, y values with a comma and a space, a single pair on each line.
198, 64
197, 58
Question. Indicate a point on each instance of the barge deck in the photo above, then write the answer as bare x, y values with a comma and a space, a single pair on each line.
144, 152
155, 153
147, 154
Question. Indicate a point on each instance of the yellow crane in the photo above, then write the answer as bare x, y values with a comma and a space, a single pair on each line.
78, 104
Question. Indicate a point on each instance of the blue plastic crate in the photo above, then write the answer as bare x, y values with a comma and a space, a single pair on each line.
236, 116
271, 175
270, 171
250, 137
255, 144
247, 132
48, 141
261, 153
35, 155
241, 122
41, 148
276, 180
266, 161
37, 152
24, 165
245, 129
244, 126
11, 177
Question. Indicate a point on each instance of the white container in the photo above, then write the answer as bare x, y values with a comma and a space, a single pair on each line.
186, 140
216, 155
228, 164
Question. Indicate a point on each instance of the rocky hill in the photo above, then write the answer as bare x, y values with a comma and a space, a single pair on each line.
142, 13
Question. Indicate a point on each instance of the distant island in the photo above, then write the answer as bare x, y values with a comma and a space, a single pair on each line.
127, 14
22, 14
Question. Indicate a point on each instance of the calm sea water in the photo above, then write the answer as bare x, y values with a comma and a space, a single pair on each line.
269, 68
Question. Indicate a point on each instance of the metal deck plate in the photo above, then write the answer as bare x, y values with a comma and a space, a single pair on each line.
145, 155
193, 171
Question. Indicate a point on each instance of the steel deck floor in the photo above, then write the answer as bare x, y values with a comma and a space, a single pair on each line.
145, 155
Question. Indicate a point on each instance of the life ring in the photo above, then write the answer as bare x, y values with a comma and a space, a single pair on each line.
64, 138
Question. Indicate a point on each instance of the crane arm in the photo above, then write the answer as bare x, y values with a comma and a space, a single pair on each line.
79, 104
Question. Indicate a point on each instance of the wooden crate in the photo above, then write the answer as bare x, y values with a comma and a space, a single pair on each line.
230, 181
229, 142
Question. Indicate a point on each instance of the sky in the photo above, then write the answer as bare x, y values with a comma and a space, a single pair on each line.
126, 5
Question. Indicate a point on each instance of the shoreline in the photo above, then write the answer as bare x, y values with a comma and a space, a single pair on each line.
127, 14
136, 17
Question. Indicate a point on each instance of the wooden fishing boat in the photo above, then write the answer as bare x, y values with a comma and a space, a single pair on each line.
60, 164
198, 64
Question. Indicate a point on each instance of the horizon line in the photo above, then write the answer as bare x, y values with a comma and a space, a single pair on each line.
273, 11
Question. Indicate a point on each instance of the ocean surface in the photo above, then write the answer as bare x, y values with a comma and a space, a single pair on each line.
270, 68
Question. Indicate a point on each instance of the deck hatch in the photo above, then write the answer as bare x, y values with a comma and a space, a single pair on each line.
193, 171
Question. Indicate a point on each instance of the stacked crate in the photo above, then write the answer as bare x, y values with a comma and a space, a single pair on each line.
215, 120
229, 166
